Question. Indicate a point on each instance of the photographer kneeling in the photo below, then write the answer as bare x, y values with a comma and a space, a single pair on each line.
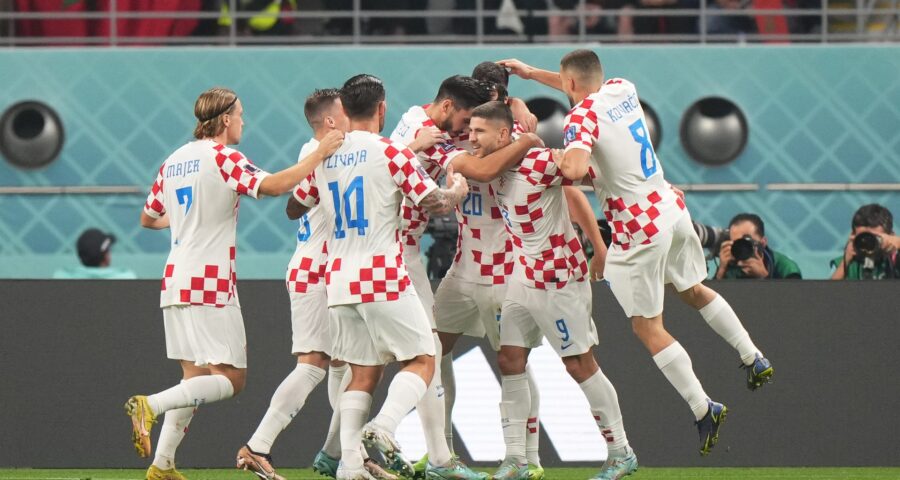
747, 255
871, 251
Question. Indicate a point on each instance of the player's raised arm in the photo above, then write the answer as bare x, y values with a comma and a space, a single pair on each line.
442, 200
283, 181
573, 163
527, 72
489, 167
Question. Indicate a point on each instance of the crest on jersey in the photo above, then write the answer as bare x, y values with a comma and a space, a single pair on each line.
446, 148
570, 134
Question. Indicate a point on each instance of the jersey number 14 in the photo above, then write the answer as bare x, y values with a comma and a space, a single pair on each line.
345, 208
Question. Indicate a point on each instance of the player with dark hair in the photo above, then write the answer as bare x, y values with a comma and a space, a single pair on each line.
375, 316
497, 76
196, 196
446, 119
653, 241
549, 296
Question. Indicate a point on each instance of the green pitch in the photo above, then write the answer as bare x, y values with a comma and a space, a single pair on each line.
551, 474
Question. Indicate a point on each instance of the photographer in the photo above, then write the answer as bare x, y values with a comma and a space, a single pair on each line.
871, 251
747, 255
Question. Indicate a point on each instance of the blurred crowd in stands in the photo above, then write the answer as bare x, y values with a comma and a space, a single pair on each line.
535, 20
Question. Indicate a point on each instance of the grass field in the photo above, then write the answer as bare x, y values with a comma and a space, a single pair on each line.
551, 474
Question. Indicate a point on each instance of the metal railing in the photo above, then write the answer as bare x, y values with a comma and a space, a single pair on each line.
867, 21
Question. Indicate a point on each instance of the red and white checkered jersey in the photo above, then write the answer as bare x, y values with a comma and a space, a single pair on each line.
637, 200
362, 186
306, 270
534, 207
434, 160
198, 187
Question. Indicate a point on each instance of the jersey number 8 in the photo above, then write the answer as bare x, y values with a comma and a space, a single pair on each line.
648, 156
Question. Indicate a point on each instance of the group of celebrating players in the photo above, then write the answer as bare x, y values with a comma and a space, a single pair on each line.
360, 297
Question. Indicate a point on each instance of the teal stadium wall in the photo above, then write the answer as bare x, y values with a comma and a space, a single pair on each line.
816, 114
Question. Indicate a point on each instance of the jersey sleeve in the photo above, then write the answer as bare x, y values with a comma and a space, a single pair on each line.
155, 205
306, 192
539, 168
239, 173
581, 129
407, 173
441, 154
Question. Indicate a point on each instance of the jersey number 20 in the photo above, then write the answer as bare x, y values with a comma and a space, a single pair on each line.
345, 209
648, 156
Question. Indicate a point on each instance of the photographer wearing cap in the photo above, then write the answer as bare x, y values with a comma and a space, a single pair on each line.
871, 251
93, 250
747, 254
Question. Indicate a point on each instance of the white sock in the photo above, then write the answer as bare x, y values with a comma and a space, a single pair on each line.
335, 377
604, 402
676, 365
431, 413
448, 378
721, 318
287, 400
170, 435
514, 407
403, 394
533, 425
355, 406
332, 446
192, 392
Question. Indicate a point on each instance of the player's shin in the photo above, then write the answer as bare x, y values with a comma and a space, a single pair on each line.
448, 379
514, 408
287, 400
533, 426
354, 406
172, 432
604, 402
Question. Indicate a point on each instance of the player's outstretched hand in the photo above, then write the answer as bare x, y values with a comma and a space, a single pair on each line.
517, 67
426, 138
330, 143
456, 182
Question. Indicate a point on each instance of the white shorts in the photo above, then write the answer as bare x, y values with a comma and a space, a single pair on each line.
469, 308
378, 333
206, 335
563, 316
419, 278
310, 325
637, 276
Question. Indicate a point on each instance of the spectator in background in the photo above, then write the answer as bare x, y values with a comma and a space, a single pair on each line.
93, 249
664, 25
595, 22
871, 251
513, 17
729, 24
747, 253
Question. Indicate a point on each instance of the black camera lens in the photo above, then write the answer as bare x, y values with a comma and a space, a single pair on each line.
866, 244
743, 248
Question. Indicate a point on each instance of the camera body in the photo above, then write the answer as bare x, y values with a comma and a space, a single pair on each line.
744, 248
867, 245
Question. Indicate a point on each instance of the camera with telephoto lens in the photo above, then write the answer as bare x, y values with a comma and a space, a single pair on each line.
867, 244
444, 232
744, 248
711, 238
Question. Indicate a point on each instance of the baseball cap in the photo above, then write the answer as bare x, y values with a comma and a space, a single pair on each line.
93, 245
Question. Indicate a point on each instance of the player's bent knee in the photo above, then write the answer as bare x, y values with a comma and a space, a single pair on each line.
510, 363
581, 367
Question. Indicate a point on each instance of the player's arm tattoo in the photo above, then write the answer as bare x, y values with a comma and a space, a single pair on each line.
442, 200
295, 209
